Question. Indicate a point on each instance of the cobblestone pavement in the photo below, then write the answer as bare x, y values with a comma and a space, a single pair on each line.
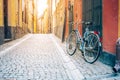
96, 71
43, 57
11, 43
35, 57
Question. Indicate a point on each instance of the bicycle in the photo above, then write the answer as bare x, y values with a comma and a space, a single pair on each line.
89, 44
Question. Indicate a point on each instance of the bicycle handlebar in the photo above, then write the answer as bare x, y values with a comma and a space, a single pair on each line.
88, 23
82, 22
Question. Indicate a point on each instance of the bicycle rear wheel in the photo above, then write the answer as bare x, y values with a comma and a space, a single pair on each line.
92, 48
71, 43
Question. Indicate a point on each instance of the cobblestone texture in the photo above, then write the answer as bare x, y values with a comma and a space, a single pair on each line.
36, 58
96, 71
43, 57
8, 44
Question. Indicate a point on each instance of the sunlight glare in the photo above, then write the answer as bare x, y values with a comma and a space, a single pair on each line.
41, 6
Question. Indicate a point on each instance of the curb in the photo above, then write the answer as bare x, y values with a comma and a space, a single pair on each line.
76, 75
13, 46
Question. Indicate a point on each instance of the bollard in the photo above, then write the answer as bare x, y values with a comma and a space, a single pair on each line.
117, 64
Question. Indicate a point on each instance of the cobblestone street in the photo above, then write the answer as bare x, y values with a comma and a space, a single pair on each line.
43, 57
35, 58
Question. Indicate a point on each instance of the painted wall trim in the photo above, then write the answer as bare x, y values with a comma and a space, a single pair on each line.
107, 58
1, 35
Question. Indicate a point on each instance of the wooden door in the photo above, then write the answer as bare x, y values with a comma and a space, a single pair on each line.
92, 11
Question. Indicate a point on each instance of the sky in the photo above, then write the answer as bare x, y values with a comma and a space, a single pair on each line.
41, 6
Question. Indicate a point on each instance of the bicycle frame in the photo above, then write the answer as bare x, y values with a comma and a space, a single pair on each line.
81, 38
89, 44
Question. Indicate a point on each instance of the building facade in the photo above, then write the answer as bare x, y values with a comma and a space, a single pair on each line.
105, 17
30, 15
1, 22
16, 19
46, 22
49, 2
110, 30
58, 15
73, 13
10, 20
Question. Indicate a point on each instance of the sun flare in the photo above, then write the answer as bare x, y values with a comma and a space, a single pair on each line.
41, 6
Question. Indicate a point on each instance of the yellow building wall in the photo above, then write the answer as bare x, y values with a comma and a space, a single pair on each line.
11, 13
35, 17
30, 23
20, 13
1, 13
35, 26
60, 16
30, 16
46, 25
119, 20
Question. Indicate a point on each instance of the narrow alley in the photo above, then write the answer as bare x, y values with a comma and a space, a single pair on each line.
31, 58
59, 39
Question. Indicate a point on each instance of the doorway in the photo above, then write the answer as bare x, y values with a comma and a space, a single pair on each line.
7, 29
92, 11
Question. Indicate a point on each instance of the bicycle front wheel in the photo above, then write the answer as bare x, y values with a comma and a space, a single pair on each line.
71, 43
91, 48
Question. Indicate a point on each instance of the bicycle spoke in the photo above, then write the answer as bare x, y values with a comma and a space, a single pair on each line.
71, 43
91, 40
92, 48
96, 43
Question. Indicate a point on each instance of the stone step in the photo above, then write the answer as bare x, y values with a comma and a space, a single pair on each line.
7, 40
